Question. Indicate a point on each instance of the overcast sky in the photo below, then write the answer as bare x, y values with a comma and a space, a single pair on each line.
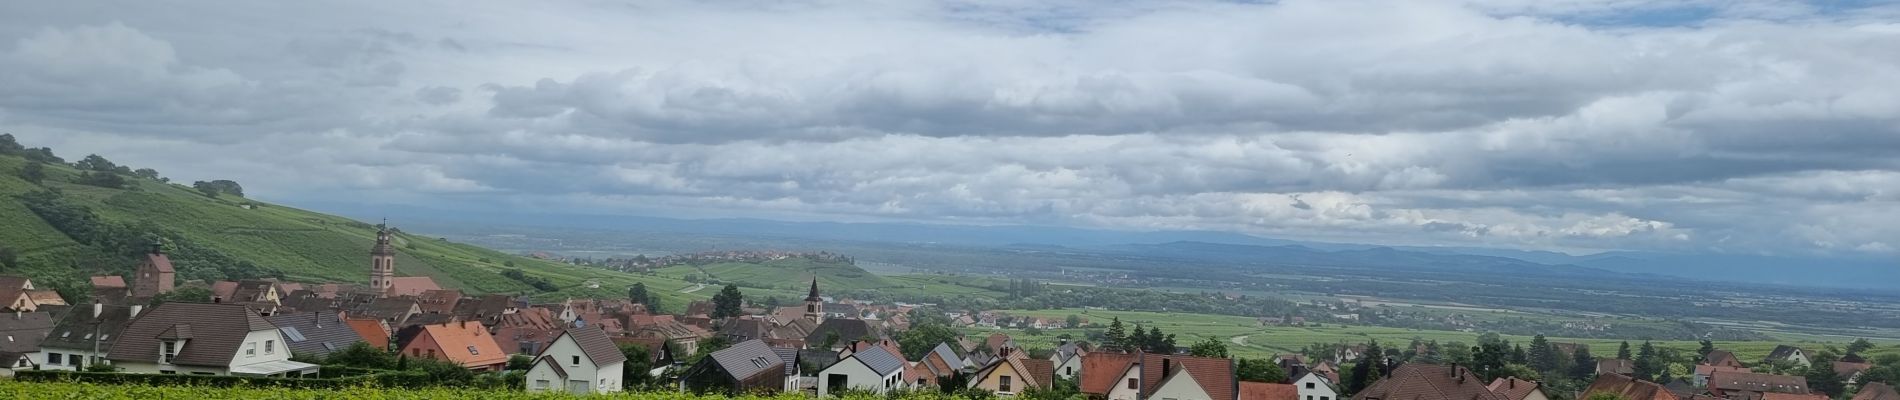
1576, 125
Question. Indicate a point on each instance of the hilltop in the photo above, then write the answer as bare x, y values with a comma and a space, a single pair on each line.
69, 225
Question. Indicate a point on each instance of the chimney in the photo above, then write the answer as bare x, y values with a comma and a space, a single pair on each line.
135, 310
1512, 383
1166, 363
319, 317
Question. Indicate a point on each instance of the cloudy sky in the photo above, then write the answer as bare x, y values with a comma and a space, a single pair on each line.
1577, 125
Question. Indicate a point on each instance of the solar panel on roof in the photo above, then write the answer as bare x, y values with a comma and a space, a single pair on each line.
293, 333
328, 346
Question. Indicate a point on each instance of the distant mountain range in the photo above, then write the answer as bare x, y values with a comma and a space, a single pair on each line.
1840, 272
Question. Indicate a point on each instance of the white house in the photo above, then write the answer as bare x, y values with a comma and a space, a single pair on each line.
580, 361
872, 369
205, 339
84, 336
1068, 359
1313, 386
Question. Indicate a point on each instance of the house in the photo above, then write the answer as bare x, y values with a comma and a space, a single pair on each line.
1110, 376
1067, 359
154, 275
1315, 386
315, 334
1627, 388
794, 368
204, 339
1721, 358
874, 369
835, 332
1751, 386
1703, 371
84, 338
1791, 396
1789, 354
464, 343
1683, 388
1327, 369
1268, 391
1615, 366
665, 327
746, 367
996, 342
527, 331
1012, 375
1418, 381
1512, 388
23, 332
373, 331
579, 361
1877, 391
12, 361
1187, 377
1850, 371
14, 294
942, 361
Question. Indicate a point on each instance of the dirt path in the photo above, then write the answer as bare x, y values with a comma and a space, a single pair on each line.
695, 288
1239, 340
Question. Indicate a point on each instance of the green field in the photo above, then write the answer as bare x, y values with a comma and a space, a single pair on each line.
1262, 341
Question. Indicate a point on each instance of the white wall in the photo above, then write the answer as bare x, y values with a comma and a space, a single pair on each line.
1180, 387
257, 340
1070, 369
1319, 391
1121, 390
859, 377
602, 379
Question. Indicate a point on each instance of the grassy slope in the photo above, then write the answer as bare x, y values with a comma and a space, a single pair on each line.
304, 245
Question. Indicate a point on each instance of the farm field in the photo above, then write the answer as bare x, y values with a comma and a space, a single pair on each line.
1266, 341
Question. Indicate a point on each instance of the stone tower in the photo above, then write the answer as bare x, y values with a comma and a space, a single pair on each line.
382, 258
155, 275
814, 305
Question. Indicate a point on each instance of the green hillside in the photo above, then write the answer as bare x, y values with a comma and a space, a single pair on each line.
58, 231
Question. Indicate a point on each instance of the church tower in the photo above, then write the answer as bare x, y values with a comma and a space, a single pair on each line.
814, 305
382, 258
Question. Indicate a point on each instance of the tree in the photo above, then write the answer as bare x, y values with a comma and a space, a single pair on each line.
1136, 340
9, 146
1457, 353
1259, 370
1209, 347
1520, 371
831, 339
1366, 370
1584, 365
93, 162
101, 179
217, 187
638, 293
146, 173
639, 362
1116, 336
1543, 358
1708, 346
920, 339
520, 362
1859, 346
1623, 353
728, 303
1822, 378
1074, 321
183, 295
1647, 366
33, 172
361, 355
1519, 356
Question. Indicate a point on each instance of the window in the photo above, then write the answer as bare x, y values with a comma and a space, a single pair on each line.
1002, 384
576, 360
541, 384
168, 372
171, 350
1309, 385
270, 346
1325, 398
472, 351
53, 358
250, 349
1309, 397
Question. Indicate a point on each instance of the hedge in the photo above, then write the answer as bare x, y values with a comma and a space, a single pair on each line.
392, 379
74, 390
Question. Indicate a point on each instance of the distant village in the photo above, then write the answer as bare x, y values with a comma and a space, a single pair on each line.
642, 263
821, 347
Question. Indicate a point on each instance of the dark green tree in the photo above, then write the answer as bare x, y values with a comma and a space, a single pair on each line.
1822, 378
1584, 365
1116, 335
1708, 346
638, 293
1074, 321
1859, 347
728, 303
1209, 347
639, 361
1543, 358
146, 173
1646, 364
93, 162
1136, 340
9, 146
1623, 352
1259, 370
362, 355
33, 172
101, 179
183, 295
920, 339
519, 362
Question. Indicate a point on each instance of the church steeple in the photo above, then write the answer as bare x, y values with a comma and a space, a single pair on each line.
814, 305
382, 258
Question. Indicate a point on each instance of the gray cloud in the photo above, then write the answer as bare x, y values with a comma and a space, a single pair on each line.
1571, 125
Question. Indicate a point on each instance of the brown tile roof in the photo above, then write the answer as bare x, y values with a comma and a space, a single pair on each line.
1628, 388
1721, 358
1042, 370
1512, 388
1418, 381
1792, 396
596, 345
411, 285
99, 281
1848, 369
223, 289
1615, 366
466, 343
1215, 375
45, 297
11, 287
1101, 372
1724, 382
214, 330
1704, 369
1877, 391
1268, 391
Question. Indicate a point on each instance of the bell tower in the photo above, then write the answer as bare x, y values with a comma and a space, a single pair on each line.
814, 305
382, 260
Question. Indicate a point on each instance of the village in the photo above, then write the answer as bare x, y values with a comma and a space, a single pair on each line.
823, 347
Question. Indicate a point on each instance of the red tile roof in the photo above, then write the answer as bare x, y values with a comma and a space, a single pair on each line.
105, 281
1877, 391
1102, 371
1628, 388
372, 330
1791, 396
1268, 391
1425, 381
1215, 375
1512, 388
411, 285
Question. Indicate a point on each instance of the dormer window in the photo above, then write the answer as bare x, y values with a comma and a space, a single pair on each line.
472, 351
169, 351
